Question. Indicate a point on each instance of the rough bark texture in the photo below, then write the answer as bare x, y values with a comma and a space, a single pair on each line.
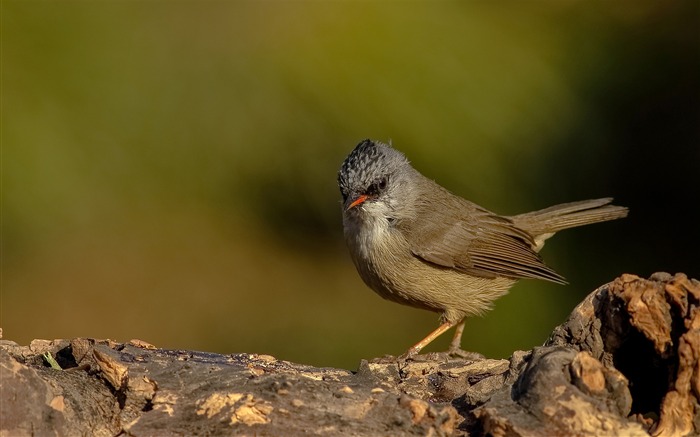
626, 362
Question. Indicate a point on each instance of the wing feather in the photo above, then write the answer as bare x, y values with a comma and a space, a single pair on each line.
454, 233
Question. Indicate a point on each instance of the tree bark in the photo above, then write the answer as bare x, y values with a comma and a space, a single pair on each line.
626, 362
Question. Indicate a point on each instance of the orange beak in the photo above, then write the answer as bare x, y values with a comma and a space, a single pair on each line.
360, 199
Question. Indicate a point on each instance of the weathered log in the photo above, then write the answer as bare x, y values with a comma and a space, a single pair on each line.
626, 362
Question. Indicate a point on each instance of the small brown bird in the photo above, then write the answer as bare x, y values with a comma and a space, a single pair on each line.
415, 243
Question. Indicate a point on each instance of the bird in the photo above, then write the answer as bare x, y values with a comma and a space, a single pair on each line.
415, 243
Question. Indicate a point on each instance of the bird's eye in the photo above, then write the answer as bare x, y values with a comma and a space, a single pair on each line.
377, 186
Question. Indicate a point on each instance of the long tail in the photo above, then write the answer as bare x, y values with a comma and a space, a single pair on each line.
545, 222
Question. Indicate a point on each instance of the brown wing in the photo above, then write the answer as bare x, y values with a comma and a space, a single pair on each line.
455, 233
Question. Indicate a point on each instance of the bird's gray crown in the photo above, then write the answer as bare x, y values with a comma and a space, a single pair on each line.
367, 163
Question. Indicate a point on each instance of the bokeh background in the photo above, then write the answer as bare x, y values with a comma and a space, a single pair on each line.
169, 168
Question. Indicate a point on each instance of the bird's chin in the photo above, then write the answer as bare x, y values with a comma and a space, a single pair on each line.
355, 215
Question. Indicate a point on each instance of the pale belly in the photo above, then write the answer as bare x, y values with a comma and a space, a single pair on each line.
392, 271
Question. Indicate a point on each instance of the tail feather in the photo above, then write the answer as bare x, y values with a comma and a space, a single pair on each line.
569, 215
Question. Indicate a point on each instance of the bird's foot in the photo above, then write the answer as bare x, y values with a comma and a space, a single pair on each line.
457, 352
408, 355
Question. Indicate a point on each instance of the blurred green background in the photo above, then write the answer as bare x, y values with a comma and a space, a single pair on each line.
169, 168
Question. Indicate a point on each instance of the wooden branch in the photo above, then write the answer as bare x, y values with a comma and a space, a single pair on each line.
626, 362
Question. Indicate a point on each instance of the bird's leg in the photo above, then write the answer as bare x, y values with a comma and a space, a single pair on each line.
455, 349
456, 343
427, 340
